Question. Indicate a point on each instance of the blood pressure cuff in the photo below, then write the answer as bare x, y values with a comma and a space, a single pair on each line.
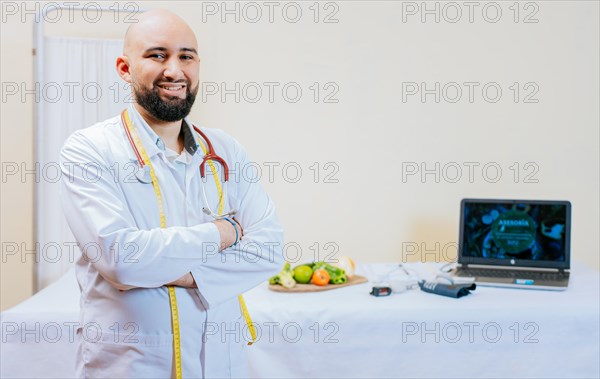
454, 290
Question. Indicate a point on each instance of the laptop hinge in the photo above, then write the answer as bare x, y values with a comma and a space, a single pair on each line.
494, 267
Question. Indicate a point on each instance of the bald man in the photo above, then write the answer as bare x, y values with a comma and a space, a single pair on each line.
165, 253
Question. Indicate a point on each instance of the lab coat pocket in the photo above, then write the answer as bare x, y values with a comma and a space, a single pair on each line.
128, 355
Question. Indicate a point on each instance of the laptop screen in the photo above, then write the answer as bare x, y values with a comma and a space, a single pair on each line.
515, 232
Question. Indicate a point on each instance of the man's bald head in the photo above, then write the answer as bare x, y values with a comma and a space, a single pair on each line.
154, 23
160, 60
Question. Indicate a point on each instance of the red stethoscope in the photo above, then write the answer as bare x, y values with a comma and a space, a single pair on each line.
143, 173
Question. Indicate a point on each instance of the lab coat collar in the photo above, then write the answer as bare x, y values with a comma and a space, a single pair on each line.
189, 142
152, 142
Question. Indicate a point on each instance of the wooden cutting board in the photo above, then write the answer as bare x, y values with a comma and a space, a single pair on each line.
356, 279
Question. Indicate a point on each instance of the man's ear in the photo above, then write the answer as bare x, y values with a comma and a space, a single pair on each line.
123, 68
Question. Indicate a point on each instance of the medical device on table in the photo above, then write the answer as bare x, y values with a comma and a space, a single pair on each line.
388, 284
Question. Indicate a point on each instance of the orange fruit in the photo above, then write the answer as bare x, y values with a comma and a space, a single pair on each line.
320, 277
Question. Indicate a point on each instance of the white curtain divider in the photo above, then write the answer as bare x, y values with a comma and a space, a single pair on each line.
81, 87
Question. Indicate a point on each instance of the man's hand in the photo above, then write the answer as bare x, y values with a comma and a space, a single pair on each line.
186, 281
228, 232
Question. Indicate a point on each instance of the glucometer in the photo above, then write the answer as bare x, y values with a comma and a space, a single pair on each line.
381, 291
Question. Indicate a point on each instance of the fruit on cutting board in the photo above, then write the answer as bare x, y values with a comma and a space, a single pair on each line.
336, 275
320, 277
346, 264
285, 277
303, 274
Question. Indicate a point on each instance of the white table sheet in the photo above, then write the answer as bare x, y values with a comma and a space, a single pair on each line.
347, 333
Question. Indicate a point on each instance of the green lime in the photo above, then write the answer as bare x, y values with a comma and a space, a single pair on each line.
302, 274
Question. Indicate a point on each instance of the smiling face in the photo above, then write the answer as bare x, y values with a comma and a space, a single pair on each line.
161, 63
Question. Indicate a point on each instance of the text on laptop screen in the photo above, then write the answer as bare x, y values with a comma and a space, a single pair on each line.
515, 231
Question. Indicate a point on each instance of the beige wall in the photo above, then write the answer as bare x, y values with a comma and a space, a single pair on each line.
372, 213
16, 223
17, 281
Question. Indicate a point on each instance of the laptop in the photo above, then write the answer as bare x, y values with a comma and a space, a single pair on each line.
515, 243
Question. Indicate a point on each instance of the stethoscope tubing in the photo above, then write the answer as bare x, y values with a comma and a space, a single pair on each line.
143, 173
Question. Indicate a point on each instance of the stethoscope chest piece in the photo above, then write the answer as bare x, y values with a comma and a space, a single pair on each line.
143, 174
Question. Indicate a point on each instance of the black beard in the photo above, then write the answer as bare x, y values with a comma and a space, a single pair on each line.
174, 109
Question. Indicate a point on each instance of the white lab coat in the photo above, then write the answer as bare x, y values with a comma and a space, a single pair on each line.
128, 257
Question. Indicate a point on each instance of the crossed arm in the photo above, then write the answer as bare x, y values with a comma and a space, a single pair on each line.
198, 256
228, 235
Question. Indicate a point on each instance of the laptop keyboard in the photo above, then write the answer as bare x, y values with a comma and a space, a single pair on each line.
517, 274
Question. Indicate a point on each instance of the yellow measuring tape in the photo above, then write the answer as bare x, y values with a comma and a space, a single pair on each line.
243, 307
163, 224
